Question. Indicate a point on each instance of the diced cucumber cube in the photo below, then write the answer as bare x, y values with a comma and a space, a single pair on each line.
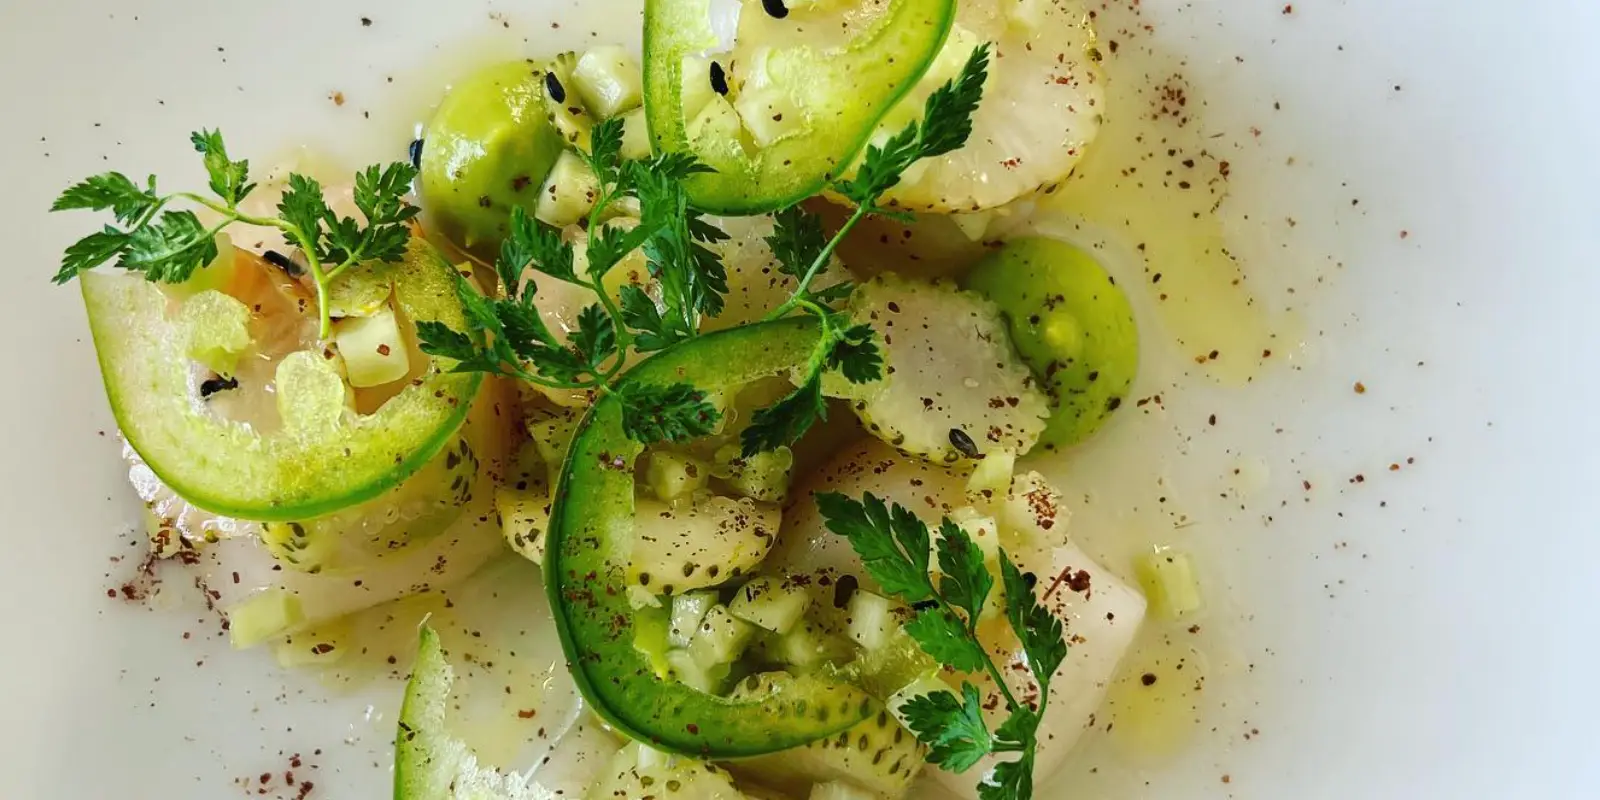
697, 92
609, 81
717, 122
688, 611
569, 193
551, 436
671, 476
1170, 584
766, 107
806, 645
683, 668
263, 616
721, 638
974, 225
374, 350
770, 604
636, 136
312, 396
763, 476
993, 474
872, 622
524, 517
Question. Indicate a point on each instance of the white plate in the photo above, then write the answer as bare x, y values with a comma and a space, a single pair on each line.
1424, 632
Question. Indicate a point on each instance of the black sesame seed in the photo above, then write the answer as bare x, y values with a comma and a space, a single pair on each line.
843, 590
553, 87
212, 386
775, 8
416, 153
719, 79
284, 263
961, 441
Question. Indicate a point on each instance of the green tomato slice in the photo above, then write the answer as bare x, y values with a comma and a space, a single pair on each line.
586, 567
299, 472
841, 93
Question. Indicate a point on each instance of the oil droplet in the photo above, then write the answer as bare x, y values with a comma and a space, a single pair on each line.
1154, 704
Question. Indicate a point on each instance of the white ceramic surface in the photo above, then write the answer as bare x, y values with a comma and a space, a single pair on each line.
1422, 633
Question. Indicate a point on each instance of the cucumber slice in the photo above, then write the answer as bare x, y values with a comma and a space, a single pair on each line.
838, 92
216, 328
840, 790
877, 754
589, 548
1071, 324
429, 763
233, 470
486, 151
641, 772
523, 504
705, 543
770, 603
953, 387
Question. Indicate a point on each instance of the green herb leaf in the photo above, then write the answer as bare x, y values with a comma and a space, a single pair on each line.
91, 251
965, 581
596, 337
1041, 632
1011, 780
651, 330
1018, 729
605, 151
893, 545
949, 640
529, 243
797, 240
951, 726
304, 207
230, 180
856, 356
111, 191
170, 249
785, 421
674, 413
945, 126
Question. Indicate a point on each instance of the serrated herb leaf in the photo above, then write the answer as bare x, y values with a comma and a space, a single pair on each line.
893, 544
91, 251
1011, 780
797, 240
856, 355
230, 180
170, 249
943, 635
1041, 633
965, 581
951, 726
674, 413
111, 191
785, 421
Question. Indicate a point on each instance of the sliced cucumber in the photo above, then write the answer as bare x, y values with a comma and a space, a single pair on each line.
953, 387
640, 772
877, 754
234, 470
216, 328
1071, 324
706, 543
523, 503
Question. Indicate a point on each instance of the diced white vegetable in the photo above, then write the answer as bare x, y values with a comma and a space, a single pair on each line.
764, 104
721, 638
872, 622
609, 81
1169, 583
839, 790
808, 645
639, 772
993, 473
770, 603
317, 647
684, 669
374, 350
569, 193
697, 91
717, 122
636, 136
763, 476
266, 615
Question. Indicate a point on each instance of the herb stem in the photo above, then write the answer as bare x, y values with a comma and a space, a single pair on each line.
802, 291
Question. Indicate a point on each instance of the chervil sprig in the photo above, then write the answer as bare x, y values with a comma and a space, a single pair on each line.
170, 245
803, 252
948, 596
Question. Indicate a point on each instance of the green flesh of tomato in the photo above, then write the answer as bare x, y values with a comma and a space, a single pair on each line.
844, 93
228, 468
589, 545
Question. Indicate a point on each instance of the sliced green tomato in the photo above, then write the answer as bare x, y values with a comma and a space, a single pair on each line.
1073, 326
586, 568
429, 763
841, 93
293, 474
